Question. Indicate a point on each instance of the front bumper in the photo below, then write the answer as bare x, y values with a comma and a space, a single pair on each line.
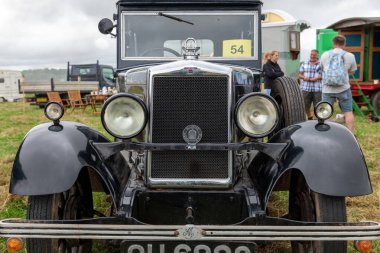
275, 229
105, 150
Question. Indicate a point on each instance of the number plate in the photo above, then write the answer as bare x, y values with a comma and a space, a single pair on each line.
41, 99
187, 246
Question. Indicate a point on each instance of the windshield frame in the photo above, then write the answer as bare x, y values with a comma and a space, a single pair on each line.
253, 13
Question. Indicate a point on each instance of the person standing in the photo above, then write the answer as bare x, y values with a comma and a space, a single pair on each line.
310, 74
336, 86
266, 57
271, 71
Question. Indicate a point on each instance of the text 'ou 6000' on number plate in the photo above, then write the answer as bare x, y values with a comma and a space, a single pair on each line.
187, 247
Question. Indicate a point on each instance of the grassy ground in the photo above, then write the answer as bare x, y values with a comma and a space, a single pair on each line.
16, 119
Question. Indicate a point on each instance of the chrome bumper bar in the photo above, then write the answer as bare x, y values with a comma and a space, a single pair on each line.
105, 150
303, 232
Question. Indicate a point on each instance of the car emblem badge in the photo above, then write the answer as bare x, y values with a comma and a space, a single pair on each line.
192, 134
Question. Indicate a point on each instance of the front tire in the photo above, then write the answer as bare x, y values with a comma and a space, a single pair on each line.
73, 204
42, 208
306, 205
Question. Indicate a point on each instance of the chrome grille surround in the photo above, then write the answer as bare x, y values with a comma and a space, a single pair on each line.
210, 178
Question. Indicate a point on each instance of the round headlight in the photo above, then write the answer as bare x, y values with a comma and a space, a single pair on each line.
124, 116
323, 110
54, 111
256, 114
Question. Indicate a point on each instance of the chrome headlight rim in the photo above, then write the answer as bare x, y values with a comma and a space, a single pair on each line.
54, 119
269, 98
118, 96
318, 106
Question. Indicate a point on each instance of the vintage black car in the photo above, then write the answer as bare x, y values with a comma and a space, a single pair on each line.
198, 149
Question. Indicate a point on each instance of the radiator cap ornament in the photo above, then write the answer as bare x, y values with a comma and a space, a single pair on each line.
192, 134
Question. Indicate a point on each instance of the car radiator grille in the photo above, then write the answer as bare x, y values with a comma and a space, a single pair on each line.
182, 101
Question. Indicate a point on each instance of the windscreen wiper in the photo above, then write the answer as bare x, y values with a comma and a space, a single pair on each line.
174, 18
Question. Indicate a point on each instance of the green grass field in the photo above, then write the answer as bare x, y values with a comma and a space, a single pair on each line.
16, 119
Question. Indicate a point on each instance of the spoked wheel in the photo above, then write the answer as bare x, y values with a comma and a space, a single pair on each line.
306, 205
73, 204
375, 99
288, 95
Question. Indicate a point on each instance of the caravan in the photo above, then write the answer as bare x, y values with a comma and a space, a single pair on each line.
281, 32
9, 90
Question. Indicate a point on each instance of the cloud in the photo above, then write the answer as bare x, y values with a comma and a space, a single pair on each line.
48, 33
52, 32
102, 43
308, 42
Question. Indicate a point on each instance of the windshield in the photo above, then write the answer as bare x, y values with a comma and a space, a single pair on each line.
162, 34
107, 73
108, 76
83, 71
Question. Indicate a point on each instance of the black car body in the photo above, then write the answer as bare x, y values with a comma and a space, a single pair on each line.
191, 176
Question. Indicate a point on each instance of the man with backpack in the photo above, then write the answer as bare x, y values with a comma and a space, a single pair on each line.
337, 64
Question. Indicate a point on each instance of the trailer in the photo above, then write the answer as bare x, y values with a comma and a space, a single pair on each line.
9, 89
281, 32
41, 88
363, 40
83, 77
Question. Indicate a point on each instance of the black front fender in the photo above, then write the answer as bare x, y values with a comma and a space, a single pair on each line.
51, 157
329, 158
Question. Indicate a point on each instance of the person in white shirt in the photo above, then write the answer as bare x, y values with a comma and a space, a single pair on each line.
310, 73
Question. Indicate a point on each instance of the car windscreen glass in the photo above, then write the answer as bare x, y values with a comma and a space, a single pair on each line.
108, 76
227, 35
107, 73
83, 71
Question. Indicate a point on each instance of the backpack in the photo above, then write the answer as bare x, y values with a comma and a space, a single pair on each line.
335, 73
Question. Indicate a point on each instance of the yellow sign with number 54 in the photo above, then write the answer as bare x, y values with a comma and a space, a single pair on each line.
237, 48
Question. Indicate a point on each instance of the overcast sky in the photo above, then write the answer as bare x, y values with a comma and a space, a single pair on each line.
48, 33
